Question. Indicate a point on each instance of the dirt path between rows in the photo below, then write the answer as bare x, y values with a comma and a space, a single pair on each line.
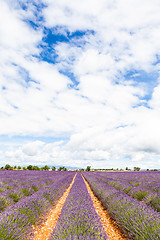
44, 231
111, 229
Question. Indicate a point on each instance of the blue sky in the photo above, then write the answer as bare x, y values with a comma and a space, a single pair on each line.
79, 83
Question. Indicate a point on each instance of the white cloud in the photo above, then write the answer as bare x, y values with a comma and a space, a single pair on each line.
103, 115
155, 101
32, 149
91, 62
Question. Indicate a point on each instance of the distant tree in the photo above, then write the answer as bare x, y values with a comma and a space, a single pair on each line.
136, 168
46, 167
30, 167
126, 168
82, 169
53, 168
2, 168
35, 168
88, 168
8, 167
19, 167
62, 169
147, 169
24, 168
15, 167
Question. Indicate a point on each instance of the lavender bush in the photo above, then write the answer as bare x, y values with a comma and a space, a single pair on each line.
5, 202
153, 200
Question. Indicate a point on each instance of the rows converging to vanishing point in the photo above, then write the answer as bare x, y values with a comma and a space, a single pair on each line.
68, 205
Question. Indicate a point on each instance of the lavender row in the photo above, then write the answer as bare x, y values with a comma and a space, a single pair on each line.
16, 222
18, 185
135, 189
78, 219
149, 180
135, 218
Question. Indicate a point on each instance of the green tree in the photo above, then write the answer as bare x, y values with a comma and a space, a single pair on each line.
35, 168
30, 167
88, 168
7, 167
19, 167
46, 167
62, 169
24, 168
53, 168
136, 168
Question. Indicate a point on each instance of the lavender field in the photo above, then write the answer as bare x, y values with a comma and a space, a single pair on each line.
131, 198
26, 197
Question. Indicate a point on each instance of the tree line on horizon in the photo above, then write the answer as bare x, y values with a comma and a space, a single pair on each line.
53, 168
30, 167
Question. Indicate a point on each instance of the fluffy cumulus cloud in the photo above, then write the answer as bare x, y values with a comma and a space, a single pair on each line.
85, 73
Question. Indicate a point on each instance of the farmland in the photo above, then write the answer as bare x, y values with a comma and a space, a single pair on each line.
26, 197
132, 200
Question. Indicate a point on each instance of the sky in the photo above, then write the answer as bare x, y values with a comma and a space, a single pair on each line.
80, 83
